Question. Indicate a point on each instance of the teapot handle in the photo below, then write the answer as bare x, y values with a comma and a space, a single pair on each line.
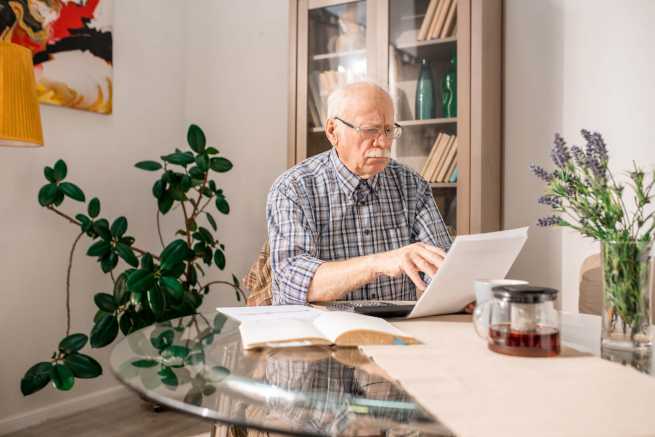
481, 319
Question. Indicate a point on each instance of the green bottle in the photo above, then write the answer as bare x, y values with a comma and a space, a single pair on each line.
424, 107
449, 90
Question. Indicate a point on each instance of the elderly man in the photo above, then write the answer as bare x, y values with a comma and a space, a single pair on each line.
351, 223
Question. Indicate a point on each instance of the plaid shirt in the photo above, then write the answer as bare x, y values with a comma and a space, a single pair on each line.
319, 211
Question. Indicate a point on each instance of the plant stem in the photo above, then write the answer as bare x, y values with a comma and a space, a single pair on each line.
195, 206
226, 283
161, 239
75, 222
68, 284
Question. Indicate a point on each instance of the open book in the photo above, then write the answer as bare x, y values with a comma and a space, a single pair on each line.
327, 328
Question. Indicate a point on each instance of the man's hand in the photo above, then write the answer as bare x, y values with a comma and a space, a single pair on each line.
410, 260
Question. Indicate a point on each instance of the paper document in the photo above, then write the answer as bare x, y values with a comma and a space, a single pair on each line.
271, 312
471, 257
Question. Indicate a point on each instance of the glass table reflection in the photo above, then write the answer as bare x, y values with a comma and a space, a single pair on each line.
197, 365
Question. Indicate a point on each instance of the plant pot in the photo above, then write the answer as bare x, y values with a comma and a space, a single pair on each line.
626, 295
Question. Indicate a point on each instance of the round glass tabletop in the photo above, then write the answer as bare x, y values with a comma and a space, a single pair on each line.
196, 364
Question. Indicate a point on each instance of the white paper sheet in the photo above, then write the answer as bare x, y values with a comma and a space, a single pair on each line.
471, 257
271, 312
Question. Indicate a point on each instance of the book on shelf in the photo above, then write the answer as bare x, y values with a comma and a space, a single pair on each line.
440, 19
437, 166
450, 21
427, 20
454, 175
448, 161
305, 326
440, 144
316, 98
428, 161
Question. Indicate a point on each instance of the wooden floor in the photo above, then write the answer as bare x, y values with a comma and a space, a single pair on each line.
122, 418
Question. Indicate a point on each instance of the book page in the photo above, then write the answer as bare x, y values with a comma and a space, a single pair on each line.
280, 333
352, 329
271, 312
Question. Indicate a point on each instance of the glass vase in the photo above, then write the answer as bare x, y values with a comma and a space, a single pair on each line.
424, 107
626, 295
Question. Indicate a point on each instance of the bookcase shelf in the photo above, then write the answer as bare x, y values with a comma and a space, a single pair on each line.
339, 55
428, 122
335, 42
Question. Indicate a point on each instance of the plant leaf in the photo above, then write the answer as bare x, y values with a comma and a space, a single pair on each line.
175, 252
172, 286
60, 170
125, 252
163, 340
220, 165
222, 205
211, 221
83, 366
105, 302
158, 189
144, 363
179, 158
125, 323
202, 161
47, 194
168, 376
165, 203
196, 138
156, 301
94, 207
211, 151
108, 262
104, 331
73, 343
147, 262
62, 377
99, 248
219, 259
101, 226
72, 191
140, 280
121, 293
148, 165
49, 174
37, 377
119, 227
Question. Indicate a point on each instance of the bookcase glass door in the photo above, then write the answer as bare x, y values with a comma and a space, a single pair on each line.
422, 83
337, 55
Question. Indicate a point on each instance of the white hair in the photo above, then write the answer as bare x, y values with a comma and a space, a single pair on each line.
337, 99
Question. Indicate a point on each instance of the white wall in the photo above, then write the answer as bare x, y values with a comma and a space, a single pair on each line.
215, 63
533, 98
238, 92
577, 64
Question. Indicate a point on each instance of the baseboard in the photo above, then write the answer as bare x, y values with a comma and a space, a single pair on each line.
60, 409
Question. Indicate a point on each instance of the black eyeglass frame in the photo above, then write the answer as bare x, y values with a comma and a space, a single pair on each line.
396, 132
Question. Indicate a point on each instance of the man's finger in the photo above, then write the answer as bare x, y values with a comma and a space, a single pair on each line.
439, 251
424, 265
430, 256
410, 270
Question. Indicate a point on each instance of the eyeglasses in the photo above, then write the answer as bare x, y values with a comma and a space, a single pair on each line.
389, 132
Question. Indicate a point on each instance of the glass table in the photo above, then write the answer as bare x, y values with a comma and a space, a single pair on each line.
196, 365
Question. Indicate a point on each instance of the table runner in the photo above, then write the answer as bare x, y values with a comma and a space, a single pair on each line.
476, 392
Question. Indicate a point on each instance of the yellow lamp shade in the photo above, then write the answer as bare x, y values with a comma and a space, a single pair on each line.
20, 121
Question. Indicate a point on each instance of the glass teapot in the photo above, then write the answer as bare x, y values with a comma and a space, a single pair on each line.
520, 320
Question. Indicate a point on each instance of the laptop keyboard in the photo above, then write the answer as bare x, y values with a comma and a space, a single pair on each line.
351, 306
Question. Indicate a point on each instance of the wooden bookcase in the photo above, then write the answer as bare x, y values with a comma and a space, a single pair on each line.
333, 42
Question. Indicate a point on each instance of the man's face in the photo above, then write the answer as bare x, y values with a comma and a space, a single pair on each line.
364, 155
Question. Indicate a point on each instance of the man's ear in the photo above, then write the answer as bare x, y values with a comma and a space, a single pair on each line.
331, 132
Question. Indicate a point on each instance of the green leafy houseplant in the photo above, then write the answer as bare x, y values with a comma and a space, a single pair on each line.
586, 197
146, 287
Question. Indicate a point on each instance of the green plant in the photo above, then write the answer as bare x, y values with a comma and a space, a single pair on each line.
585, 196
151, 287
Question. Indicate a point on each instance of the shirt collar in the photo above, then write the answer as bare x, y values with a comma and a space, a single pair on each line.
348, 181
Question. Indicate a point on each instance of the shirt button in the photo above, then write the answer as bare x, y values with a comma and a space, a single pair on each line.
367, 232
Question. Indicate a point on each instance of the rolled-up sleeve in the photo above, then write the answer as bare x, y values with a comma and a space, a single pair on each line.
292, 239
429, 226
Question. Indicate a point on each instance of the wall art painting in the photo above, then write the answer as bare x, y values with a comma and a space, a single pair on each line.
71, 42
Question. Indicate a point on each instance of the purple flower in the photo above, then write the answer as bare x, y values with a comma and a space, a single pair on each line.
560, 153
549, 200
548, 221
541, 173
596, 153
579, 156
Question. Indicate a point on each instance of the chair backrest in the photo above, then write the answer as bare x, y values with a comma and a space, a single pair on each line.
258, 280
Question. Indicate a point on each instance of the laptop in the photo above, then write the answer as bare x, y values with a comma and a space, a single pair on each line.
471, 257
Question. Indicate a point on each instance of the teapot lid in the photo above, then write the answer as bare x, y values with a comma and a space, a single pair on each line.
524, 293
